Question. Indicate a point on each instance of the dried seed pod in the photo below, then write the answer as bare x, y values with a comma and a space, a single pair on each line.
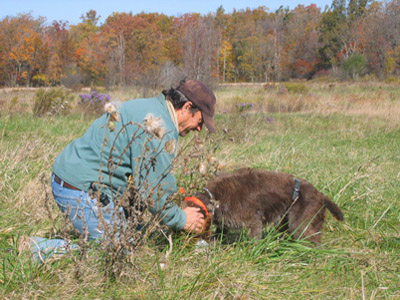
220, 166
170, 146
155, 126
202, 167
110, 108
199, 145
212, 160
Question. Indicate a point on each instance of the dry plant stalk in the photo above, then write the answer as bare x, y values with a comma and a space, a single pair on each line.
131, 223
199, 161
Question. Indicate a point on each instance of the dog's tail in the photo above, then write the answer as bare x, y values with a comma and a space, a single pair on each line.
334, 209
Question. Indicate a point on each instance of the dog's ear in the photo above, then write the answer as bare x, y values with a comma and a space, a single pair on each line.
203, 197
211, 204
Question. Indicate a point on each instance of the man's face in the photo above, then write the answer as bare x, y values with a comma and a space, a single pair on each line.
187, 121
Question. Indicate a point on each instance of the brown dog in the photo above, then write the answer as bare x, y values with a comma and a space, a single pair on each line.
251, 198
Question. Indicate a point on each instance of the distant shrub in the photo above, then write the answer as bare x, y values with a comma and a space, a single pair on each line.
269, 86
355, 65
13, 102
393, 79
99, 89
296, 88
244, 106
282, 90
322, 73
52, 101
285, 104
368, 78
241, 106
93, 103
39, 80
324, 76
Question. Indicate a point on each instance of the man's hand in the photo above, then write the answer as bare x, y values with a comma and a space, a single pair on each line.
194, 219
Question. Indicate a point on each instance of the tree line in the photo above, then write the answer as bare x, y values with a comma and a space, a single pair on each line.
345, 40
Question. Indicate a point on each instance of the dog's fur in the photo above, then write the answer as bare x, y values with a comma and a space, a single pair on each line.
250, 198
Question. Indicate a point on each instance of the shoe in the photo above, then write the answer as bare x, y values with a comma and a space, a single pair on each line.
42, 249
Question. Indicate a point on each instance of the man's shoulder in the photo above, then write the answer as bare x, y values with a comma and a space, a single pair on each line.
139, 109
146, 102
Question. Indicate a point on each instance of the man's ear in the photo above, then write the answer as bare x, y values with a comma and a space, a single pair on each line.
187, 106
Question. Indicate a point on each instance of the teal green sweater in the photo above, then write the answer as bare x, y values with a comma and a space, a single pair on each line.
133, 151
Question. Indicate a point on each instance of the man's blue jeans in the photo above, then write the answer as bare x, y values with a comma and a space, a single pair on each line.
83, 212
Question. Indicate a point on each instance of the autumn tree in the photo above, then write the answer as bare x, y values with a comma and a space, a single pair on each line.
332, 28
226, 61
22, 52
382, 38
356, 9
246, 39
199, 46
301, 42
256, 37
88, 26
58, 40
148, 49
89, 50
116, 31
137, 47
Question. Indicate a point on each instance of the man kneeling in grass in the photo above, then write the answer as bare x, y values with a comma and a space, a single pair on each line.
106, 165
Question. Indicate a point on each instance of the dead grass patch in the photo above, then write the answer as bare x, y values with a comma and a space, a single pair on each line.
373, 100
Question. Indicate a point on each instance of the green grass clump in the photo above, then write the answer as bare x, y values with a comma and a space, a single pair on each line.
296, 88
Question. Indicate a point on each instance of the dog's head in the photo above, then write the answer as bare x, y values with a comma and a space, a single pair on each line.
207, 205
208, 200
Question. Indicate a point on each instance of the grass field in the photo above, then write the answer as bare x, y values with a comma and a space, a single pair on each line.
344, 138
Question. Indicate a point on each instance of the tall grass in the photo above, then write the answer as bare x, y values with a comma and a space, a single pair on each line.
342, 138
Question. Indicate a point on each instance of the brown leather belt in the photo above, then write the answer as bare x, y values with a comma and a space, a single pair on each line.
67, 185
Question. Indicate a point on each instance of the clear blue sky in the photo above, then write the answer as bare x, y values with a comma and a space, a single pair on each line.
72, 10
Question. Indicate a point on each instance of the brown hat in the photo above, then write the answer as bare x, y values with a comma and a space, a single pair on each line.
203, 97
